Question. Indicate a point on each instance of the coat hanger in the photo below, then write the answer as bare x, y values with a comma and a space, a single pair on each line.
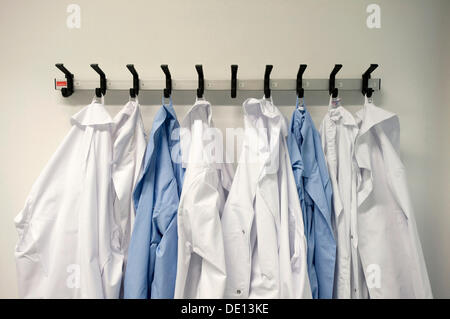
366, 91
102, 89
201, 81
67, 91
168, 89
134, 91
333, 91
300, 90
267, 80
234, 69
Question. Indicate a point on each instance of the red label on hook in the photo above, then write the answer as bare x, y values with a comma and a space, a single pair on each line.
61, 83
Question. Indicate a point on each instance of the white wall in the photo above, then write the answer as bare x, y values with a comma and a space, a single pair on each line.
412, 48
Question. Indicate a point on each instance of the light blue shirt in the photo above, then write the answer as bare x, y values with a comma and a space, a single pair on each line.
315, 192
152, 257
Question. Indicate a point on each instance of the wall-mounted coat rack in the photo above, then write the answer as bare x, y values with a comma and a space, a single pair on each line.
226, 85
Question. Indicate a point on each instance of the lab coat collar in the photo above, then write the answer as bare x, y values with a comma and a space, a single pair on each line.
253, 108
128, 110
169, 109
130, 107
371, 115
201, 110
341, 114
337, 112
128, 127
264, 121
166, 112
93, 114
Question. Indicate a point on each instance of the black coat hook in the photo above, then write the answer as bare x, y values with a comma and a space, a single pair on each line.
267, 80
134, 91
68, 90
234, 69
102, 89
333, 91
365, 80
300, 89
168, 89
201, 81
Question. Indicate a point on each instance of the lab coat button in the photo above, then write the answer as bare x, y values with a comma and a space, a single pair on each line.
238, 291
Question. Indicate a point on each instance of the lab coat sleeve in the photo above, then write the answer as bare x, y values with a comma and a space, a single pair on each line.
29, 267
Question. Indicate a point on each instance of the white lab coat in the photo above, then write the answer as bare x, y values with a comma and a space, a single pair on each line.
201, 269
74, 228
265, 247
388, 241
338, 133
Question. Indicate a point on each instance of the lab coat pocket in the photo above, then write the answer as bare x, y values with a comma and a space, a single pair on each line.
112, 272
21, 222
166, 207
37, 234
30, 270
112, 268
116, 239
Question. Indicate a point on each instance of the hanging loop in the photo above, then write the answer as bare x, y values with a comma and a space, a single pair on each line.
134, 91
366, 91
300, 89
68, 90
234, 69
267, 80
201, 80
102, 89
333, 91
168, 89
